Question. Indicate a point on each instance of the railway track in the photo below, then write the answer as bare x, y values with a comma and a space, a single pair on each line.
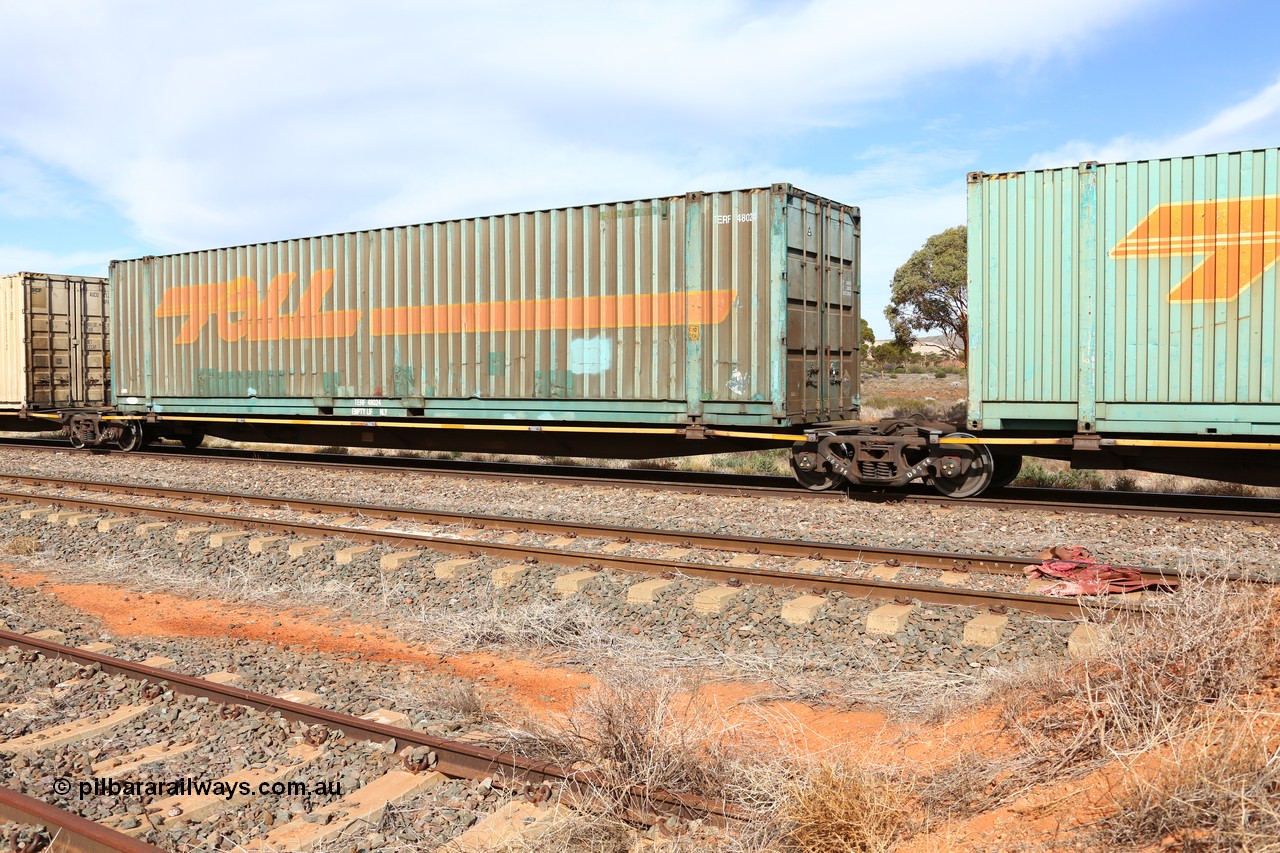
1156, 505
723, 560
814, 568
415, 764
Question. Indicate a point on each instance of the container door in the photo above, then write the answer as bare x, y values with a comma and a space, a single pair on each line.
67, 347
822, 309
842, 341
89, 352
49, 344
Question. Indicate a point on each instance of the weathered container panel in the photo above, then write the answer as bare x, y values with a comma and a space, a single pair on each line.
1127, 297
53, 341
660, 310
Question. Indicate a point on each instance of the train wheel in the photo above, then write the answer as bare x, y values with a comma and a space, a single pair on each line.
76, 441
1007, 470
192, 441
816, 479
132, 438
975, 480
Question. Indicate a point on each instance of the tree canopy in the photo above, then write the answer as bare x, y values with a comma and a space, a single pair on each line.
930, 291
868, 336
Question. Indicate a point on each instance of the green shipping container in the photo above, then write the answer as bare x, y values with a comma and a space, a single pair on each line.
737, 308
1134, 297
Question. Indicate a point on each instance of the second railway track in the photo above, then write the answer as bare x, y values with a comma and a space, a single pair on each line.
402, 762
819, 567
1149, 504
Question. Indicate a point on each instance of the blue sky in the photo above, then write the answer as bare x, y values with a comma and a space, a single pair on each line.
134, 128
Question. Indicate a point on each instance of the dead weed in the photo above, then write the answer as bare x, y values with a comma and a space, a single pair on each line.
21, 546
842, 808
639, 729
1217, 791
1153, 678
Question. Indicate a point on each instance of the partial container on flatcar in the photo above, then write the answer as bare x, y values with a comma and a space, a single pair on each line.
1133, 298
729, 308
53, 343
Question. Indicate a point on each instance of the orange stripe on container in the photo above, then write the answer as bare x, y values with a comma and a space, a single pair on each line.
580, 312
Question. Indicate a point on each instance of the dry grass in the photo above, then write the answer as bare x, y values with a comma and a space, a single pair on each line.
449, 699
638, 727
575, 831
572, 830
403, 827
21, 546
1053, 473
244, 582
844, 808
1219, 790
1152, 683
642, 731
970, 783
42, 704
554, 625
877, 408
1184, 653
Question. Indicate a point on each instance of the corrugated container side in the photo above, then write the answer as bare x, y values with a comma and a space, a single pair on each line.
53, 340
652, 310
13, 343
1127, 297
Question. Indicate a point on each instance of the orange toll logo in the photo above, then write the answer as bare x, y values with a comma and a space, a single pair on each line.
1235, 238
242, 315
259, 319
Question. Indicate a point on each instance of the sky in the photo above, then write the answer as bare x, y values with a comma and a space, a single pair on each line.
132, 128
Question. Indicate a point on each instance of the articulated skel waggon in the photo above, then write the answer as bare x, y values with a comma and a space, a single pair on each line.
694, 324
1121, 316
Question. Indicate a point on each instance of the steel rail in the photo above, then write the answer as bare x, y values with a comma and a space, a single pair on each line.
1057, 608
750, 544
453, 758
695, 482
70, 833
1018, 498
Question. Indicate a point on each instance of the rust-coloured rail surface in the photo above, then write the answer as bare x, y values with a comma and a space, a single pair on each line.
70, 832
803, 581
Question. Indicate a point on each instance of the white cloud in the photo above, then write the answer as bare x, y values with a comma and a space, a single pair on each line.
1251, 123
21, 259
220, 123
906, 195
28, 191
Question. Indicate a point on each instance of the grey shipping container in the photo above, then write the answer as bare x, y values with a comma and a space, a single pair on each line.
53, 342
737, 308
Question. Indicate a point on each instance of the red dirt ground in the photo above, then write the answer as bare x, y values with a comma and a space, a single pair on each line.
1039, 816
539, 689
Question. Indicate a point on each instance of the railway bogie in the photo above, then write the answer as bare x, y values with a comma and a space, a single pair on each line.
893, 453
